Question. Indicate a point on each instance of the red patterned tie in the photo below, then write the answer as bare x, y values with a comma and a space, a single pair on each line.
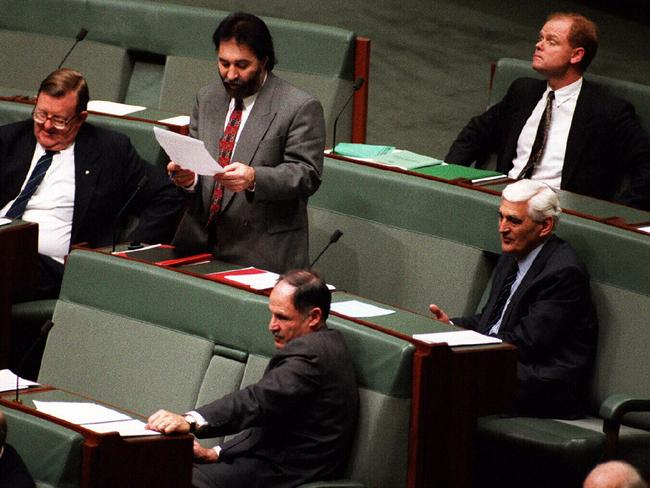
226, 146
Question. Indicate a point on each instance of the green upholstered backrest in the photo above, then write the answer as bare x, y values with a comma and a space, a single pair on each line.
51, 452
509, 69
170, 29
27, 58
184, 76
176, 341
406, 240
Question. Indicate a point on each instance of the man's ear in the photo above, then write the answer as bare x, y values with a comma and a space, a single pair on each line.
83, 116
315, 317
577, 55
547, 227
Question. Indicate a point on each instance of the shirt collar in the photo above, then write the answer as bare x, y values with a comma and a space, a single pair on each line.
527, 262
566, 92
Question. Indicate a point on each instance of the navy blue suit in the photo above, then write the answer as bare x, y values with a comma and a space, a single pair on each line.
552, 321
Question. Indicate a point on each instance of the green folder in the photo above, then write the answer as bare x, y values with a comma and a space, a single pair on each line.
454, 171
361, 151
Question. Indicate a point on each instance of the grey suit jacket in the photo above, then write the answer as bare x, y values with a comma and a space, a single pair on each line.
283, 139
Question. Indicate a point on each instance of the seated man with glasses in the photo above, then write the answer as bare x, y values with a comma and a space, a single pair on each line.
72, 178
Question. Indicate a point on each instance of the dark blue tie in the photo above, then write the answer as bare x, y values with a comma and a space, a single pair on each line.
504, 294
20, 203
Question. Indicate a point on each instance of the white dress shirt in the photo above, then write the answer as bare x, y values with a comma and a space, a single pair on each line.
52, 204
549, 168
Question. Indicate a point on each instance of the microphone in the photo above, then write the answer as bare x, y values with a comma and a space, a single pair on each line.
45, 329
118, 216
358, 83
336, 235
80, 37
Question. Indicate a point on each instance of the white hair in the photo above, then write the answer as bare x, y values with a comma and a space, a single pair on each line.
542, 200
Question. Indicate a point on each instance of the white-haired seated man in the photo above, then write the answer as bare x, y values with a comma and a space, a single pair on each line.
540, 301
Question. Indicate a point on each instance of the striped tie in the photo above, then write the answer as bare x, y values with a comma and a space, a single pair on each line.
20, 203
539, 144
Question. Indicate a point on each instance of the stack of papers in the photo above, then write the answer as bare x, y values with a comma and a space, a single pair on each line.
113, 108
357, 309
457, 338
94, 417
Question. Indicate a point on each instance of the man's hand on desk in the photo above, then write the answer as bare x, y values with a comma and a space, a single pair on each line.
180, 176
439, 313
237, 177
168, 423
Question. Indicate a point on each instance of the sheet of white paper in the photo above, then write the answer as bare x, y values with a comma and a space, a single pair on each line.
80, 412
645, 229
8, 381
257, 281
457, 338
144, 248
178, 120
126, 428
113, 108
4, 221
190, 153
355, 308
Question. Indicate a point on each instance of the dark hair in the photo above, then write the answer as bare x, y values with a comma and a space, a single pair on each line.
583, 33
63, 81
250, 30
311, 291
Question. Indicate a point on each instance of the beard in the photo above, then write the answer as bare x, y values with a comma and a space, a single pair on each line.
244, 88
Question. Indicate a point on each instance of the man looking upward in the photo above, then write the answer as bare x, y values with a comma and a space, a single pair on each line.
565, 131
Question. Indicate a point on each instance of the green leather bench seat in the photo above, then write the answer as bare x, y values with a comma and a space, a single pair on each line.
51, 452
175, 341
28, 57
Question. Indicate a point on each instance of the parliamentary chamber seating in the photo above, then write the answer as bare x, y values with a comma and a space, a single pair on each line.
144, 337
410, 241
159, 54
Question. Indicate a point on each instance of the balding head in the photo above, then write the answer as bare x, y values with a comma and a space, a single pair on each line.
614, 474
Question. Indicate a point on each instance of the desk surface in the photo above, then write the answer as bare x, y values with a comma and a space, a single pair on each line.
109, 460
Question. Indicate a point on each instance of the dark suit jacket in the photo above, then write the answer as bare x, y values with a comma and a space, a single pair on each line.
283, 139
301, 415
107, 171
13, 472
553, 323
605, 142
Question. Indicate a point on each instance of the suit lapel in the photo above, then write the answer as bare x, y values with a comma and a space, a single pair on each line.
15, 169
253, 133
579, 131
87, 169
537, 267
505, 264
523, 108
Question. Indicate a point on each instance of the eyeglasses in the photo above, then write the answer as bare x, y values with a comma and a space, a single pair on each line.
60, 123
